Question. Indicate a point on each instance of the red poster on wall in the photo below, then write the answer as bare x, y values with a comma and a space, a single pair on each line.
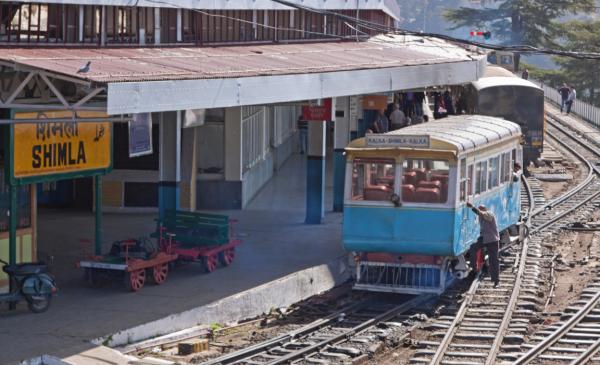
318, 112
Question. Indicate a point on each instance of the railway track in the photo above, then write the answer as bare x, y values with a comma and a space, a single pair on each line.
491, 323
574, 340
341, 337
489, 326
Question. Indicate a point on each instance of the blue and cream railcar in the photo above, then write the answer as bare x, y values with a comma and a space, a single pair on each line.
405, 216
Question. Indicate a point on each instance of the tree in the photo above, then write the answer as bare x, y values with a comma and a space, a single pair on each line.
515, 22
584, 75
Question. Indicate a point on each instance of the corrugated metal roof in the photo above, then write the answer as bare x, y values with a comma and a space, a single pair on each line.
388, 6
464, 132
112, 65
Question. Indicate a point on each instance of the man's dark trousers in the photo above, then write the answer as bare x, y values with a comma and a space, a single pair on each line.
492, 251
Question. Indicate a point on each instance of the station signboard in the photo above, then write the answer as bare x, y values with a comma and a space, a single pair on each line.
388, 140
54, 150
318, 112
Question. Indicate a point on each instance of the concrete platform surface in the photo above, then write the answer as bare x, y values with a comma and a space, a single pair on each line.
276, 243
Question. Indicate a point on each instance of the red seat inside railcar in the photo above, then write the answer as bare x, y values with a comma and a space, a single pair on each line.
377, 193
387, 180
430, 184
409, 177
428, 195
408, 192
421, 174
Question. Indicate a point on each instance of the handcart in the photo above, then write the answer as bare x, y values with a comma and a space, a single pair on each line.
208, 239
132, 260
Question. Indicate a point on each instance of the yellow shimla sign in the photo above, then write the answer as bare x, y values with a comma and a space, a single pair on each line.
61, 147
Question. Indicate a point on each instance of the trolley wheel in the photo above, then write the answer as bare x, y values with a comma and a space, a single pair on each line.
160, 273
226, 256
92, 278
209, 263
135, 280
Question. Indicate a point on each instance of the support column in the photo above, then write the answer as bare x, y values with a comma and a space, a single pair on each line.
233, 144
98, 220
157, 26
315, 173
234, 162
340, 141
12, 237
169, 162
355, 109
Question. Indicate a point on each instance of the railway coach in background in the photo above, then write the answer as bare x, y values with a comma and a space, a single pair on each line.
405, 213
499, 93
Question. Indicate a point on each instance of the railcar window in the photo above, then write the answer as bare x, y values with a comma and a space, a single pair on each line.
470, 181
463, 180
505, 169
494, 171
481, 177
373, 179
425, 181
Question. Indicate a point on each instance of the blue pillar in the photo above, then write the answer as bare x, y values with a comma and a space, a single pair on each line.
339, 175
315, 174
340, 141
170, 162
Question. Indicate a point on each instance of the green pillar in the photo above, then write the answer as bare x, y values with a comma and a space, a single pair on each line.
12, 235
98, 228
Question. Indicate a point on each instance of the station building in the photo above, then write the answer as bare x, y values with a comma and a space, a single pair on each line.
222, 83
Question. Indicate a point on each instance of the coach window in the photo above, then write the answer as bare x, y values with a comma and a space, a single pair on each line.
463, 180
480, 177
505, 167
425, 181
373, 179
470, 180
494, 164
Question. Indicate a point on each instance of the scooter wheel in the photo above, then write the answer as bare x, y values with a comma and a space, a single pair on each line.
39, 303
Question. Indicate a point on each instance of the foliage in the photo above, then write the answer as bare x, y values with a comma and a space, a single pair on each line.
584, 75
530, 22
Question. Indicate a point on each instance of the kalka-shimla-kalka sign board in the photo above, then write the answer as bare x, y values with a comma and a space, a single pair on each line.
50, 150
390, 140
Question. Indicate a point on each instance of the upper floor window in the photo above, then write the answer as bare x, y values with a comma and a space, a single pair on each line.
373, 179
425, 180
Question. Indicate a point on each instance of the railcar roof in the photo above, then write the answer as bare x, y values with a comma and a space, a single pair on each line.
456, 133
495, 81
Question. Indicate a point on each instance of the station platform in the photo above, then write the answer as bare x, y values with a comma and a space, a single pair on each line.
276, 242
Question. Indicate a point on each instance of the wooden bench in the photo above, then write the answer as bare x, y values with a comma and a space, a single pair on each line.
195, 229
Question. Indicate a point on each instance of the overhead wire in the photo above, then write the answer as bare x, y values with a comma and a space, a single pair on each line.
369, 25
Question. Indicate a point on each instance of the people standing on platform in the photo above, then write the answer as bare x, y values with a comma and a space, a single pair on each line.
564, 95
302, 126
489, 238
525, 74
419, 100
571, 99
397, 118
380, 123
449, 102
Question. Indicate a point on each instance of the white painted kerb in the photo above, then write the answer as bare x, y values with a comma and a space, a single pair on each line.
248, 304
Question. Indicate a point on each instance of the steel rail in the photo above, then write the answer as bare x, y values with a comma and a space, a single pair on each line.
265, 345
580, 187
441, 351
413, 303
534, 352
587, 355
532, 227
510, 308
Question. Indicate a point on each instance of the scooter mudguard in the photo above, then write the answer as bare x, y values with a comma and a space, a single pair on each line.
38, 285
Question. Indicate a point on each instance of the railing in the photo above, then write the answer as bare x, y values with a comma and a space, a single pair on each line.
580, 108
